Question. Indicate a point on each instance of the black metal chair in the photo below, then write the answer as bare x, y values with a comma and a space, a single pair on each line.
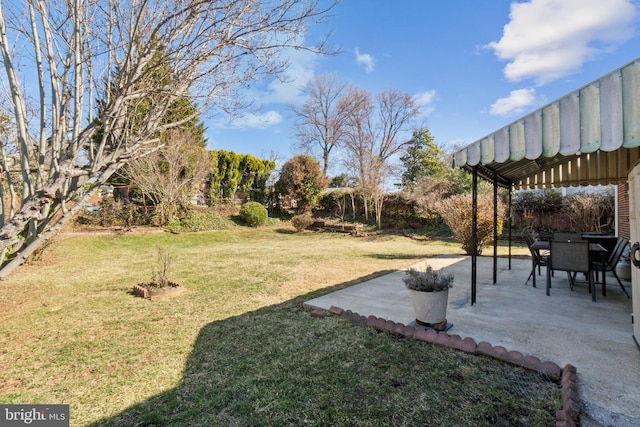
572, 257
538, 257
610, 265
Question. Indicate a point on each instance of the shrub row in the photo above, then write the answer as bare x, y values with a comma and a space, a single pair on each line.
550, 211
199, 221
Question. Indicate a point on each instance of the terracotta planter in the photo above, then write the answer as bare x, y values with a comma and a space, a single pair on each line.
430, 308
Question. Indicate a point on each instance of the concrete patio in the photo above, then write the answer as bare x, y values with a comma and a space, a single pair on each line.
565, 328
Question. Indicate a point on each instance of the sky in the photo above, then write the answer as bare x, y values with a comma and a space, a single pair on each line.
473, 66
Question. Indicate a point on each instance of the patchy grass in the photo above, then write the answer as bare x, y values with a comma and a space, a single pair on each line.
236, 348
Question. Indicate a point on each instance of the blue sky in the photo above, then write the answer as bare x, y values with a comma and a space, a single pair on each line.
474, 66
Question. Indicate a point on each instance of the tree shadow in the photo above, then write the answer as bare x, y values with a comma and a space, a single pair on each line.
285, 231
396, 256
279, 365
222, 377
237, 220
239, 363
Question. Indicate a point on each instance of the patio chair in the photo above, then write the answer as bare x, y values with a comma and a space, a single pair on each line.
572, 257
538, 257
610, 265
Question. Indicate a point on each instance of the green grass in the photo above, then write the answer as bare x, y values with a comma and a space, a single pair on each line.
237, 348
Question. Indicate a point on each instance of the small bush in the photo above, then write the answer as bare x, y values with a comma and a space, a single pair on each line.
301, 222
253, 214
199, 221
457, 214
272, 222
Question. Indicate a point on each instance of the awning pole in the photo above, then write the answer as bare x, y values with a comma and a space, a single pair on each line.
495, 231
510, 222
474, 232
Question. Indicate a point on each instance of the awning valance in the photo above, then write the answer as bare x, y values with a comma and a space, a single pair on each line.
590, 136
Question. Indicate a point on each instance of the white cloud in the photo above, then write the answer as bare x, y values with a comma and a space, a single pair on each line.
269, 97
366, 59
424, 100
288, 90
548, 39
514, 103
257, 121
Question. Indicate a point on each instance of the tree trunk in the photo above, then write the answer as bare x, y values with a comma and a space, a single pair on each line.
141, 59
42, 238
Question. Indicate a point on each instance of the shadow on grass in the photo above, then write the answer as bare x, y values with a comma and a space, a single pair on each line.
396, 256
237, 220
285, 231
280, 366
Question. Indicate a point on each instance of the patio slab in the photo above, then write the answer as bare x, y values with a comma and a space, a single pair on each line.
565, 328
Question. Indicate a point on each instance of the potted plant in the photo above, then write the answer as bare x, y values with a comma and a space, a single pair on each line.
429, 293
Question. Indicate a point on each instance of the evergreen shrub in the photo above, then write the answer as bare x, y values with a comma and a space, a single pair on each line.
253, 214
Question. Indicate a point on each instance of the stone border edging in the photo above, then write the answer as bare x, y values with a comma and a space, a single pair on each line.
143, 292
566, 377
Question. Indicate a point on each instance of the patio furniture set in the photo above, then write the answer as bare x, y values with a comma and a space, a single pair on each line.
573, 253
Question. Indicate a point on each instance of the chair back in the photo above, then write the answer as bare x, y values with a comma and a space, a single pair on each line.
568, 237
569, 256
617, 251
533, 233
529, 239
607, 241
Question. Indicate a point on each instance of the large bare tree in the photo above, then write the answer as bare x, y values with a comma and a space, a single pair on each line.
321, 120
374, 134
139, 57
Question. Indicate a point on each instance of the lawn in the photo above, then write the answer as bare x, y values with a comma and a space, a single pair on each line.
237, 348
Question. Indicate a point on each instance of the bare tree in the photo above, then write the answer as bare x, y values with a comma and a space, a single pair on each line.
169, 175
321, 120
373, 136
396, 112
359, 143
137, 56
8, 194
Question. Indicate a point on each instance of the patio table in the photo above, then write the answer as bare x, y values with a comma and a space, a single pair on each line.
607, 241
594, 248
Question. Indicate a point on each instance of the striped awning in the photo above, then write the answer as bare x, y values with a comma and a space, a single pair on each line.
590, 136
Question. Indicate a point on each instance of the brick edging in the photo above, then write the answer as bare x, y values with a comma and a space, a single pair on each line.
566, 377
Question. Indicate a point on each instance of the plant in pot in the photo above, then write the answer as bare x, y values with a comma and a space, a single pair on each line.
429, 293
160, 285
